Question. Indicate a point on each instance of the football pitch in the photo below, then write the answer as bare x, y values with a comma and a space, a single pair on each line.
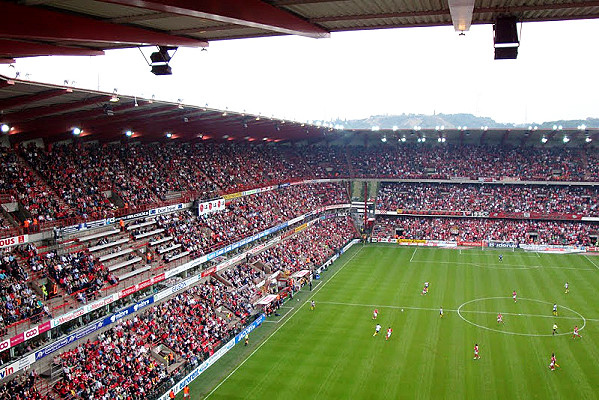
330, 352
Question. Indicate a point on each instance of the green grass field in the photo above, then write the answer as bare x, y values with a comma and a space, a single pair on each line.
330, 353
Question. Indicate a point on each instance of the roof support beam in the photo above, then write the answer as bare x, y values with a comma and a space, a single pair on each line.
461, 14
17, 48
28, 99
54, 109
250, 13
32, 23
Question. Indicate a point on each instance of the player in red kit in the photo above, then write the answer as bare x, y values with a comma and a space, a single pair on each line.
553, 363
375, 313
389, 332
514, 296
575, 334
499, 318
476, 356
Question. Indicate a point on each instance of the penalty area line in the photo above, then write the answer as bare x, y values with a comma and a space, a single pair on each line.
591, 261
282, 325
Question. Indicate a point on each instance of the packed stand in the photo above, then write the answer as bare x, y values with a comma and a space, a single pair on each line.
17, 300
21, 183
473, 162
81, 174
581, 200
166, 168
482, 229
309, 248
22, 388
78, 273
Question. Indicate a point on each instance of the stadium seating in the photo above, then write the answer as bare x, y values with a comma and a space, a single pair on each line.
581, 200
479, 229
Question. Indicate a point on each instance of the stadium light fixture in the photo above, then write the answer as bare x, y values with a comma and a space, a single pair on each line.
566, 139
114, 97
442, 127
559, 128
403, 139
423, 139
384, 139
76, 131
5, 128
169, 135
129, 133
375, 128
395, 128
588, 139
544, 140
582, 127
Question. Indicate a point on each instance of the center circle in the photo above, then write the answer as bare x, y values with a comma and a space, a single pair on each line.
584, 321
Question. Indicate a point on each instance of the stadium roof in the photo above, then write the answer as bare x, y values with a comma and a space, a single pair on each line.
88, 27
35, 110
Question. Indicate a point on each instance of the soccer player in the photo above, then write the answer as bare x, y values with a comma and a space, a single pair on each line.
567, 288
186, 392
500, 257
377, 329
375, 313
554, 329
247, 339
441, 312
476, 355
312, 305
553, 364
499, 318
575, 334
555, 310
389, 332
514, 295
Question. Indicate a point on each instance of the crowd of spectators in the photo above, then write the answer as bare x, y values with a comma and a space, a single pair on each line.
21, 183
481, 229
445, 162
92, 180
85, 175
581, 200
191, 324
309, 248
17, 300
22, 387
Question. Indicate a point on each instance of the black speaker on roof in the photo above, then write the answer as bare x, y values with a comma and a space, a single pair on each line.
506, 38
506, 53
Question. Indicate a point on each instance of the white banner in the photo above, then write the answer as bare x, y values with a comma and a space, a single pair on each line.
14, 241
211, 206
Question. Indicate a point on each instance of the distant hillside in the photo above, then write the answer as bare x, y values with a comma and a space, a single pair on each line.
449, 121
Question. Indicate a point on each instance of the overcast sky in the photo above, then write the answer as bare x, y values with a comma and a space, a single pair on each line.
358, 74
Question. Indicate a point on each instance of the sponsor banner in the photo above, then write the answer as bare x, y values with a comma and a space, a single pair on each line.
590, 219
211, 206
178, 287
549, 247
232, 196
166, 209
129, 217
101, 303
590, 248
470, 244
215, 357
14, 241
499, 244
411, 241
300, 228
16, 366
142, 285
284, 185
126, 311
59, 344
297, 219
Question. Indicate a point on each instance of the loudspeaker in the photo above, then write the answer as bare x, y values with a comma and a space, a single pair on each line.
506, 31
506, 53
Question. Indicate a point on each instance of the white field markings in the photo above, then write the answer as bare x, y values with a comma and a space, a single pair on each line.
591, 261
501, 266
413, 254
451, 310
283, 324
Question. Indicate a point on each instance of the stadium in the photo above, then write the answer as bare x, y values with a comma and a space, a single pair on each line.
154, 249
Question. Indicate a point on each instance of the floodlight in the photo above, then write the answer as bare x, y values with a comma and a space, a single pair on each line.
76, 131
4, 128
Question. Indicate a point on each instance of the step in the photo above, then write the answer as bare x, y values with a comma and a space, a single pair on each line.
98, 235
133, 273
124, 264
168, 249
108, 245
151, 233
115, 255
163, 240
